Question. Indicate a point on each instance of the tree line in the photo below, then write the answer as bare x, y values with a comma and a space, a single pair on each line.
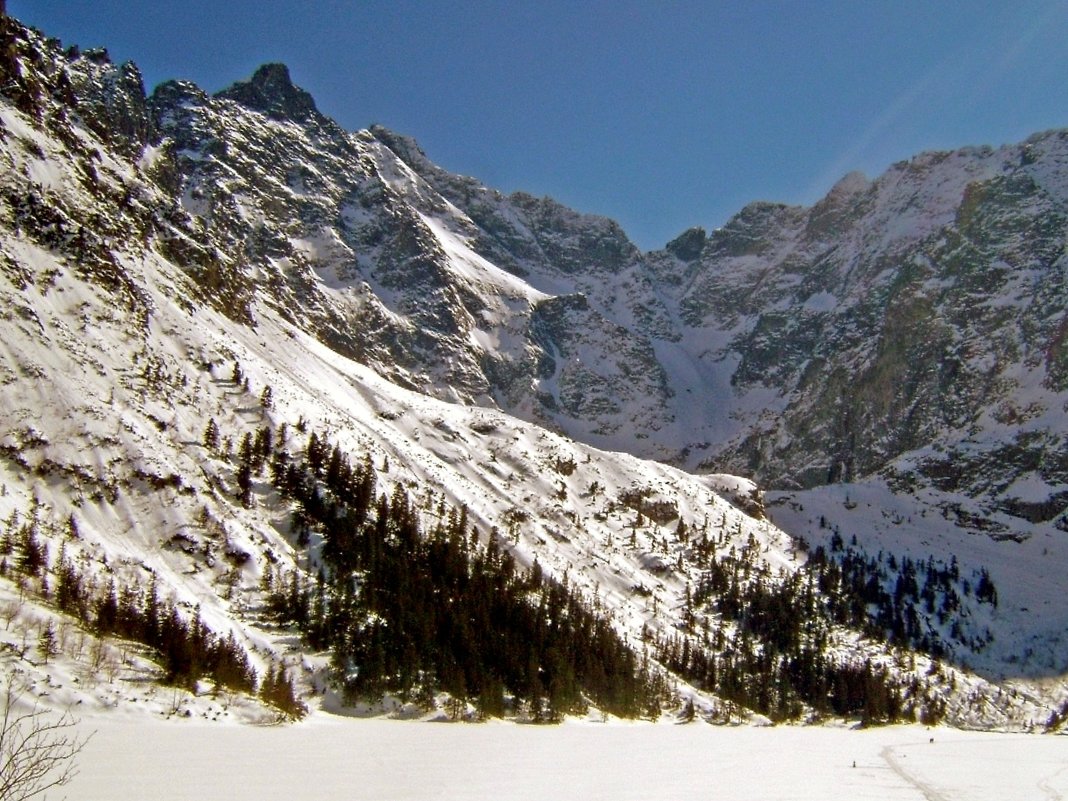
185, 648
414, 612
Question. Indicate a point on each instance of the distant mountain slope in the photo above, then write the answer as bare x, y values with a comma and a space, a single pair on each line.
918, 314
352, 242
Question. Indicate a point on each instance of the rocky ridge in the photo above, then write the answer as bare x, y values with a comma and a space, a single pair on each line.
899, 327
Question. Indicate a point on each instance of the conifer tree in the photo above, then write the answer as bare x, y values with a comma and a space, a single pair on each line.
48, 643
211, 436
34, 554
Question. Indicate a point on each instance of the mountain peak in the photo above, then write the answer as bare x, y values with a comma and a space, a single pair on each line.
688, 245
405, 147
271, 91
850, 184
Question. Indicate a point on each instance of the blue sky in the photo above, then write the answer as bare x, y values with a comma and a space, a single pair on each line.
661, 115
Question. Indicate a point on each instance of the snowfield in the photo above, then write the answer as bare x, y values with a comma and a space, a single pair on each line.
328, 757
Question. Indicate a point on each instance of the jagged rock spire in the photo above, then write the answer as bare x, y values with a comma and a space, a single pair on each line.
271, 91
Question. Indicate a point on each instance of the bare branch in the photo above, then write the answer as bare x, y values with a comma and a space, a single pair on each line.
37, 748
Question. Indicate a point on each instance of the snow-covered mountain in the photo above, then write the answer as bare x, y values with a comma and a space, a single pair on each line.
917, 317
175, 260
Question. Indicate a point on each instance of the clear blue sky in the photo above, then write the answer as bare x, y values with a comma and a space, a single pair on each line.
662, 115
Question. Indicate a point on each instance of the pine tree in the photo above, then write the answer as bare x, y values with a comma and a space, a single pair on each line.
277, 691
211, 436
48, 643
106, 611
244, 484
245, 471
34, 555
70, 596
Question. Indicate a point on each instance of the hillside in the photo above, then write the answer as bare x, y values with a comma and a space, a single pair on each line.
226, 321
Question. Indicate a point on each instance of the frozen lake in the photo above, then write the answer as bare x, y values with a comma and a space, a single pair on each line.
334, 758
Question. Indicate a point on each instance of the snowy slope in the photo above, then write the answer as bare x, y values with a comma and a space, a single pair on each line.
1031, 630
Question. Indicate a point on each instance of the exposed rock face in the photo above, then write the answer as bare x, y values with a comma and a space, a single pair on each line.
912, 325
911, 314
439, 283
330, 226
111, 101
270, 91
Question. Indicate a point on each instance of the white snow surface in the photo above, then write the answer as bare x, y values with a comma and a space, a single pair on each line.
1030, 628
331, 758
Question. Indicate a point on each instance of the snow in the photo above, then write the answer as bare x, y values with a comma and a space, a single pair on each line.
333, 758
1031, 487
1029, 623
477, 271
821, 302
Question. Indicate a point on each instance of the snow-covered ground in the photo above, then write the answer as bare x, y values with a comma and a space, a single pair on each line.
1029, 629
328, 757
